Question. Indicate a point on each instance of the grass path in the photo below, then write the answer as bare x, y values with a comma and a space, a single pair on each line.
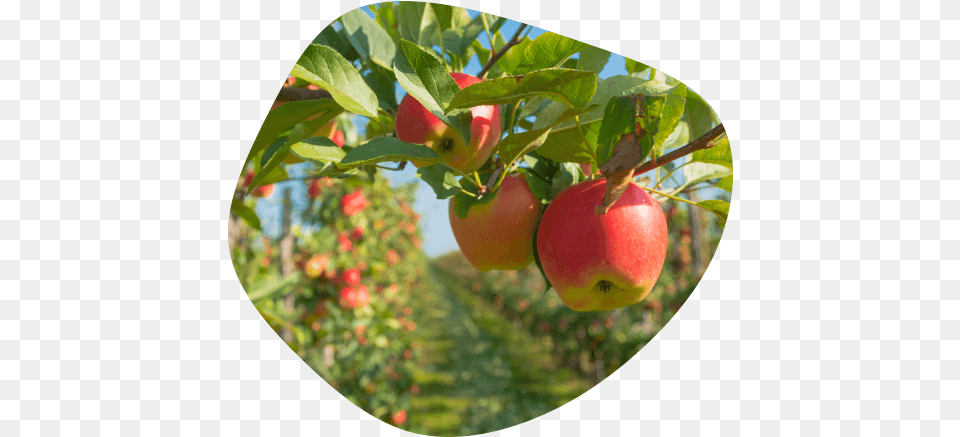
477, 373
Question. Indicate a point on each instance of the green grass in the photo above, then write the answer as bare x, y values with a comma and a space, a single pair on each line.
477, 373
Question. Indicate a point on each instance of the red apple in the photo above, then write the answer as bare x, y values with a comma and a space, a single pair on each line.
314, 189
363, 297
348, 297
351, 277
338, 138
498, 235
415, 124
602, 262
400, 417
392, 257
353, 203
345, 243
262, 191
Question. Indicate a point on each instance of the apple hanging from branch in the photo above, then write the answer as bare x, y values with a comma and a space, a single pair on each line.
600, 262
415, 124
498, 234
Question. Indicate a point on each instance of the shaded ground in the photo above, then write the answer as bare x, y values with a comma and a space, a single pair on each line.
477, 372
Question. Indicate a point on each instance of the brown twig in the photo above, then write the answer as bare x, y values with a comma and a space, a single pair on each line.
704, 142
496, 56
492, 180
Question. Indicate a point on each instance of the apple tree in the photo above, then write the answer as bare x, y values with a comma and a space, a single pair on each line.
533, 123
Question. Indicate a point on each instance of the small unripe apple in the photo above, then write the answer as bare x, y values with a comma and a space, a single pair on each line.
415, 124
498, 235
602, 262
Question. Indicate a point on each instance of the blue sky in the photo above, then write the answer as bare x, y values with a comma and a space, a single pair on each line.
437, 235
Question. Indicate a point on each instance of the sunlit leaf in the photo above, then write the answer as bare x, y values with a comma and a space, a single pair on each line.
324, 67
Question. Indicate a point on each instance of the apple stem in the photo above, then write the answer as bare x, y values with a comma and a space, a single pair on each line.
476, 178
669, 196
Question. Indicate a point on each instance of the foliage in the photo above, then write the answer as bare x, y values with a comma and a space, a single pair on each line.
364, 352
556, 113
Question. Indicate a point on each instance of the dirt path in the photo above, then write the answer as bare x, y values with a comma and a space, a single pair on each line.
477, 372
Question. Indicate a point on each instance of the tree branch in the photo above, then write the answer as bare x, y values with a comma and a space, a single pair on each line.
704, 142
496, 56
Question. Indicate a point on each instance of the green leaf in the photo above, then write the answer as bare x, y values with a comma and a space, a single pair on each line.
463, 31
719, 207
483, 55
669, 115
510, 62
536, 255
426, 80
246, 214
569, 86
573, 112
444, 14
726, 184
619, 118
548, 50
567, 174
719, 154
679, 137
387, 149
519, 144
615, 86
269, 162
696, 172
383, 83
324, 67
338, 41
272, 287
566, 145
593, 59
330, 169
318, 150
441, 178
410, 16
371, 41
699, 115
634, 66
276, 175
286, 116
565, 142
274, 155
463, 202
533, 106
387, 19
539, 174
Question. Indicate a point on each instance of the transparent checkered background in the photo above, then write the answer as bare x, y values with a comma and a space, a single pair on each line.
827, 310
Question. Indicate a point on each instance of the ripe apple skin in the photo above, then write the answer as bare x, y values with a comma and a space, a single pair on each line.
602, 262
417, 125
498, 235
